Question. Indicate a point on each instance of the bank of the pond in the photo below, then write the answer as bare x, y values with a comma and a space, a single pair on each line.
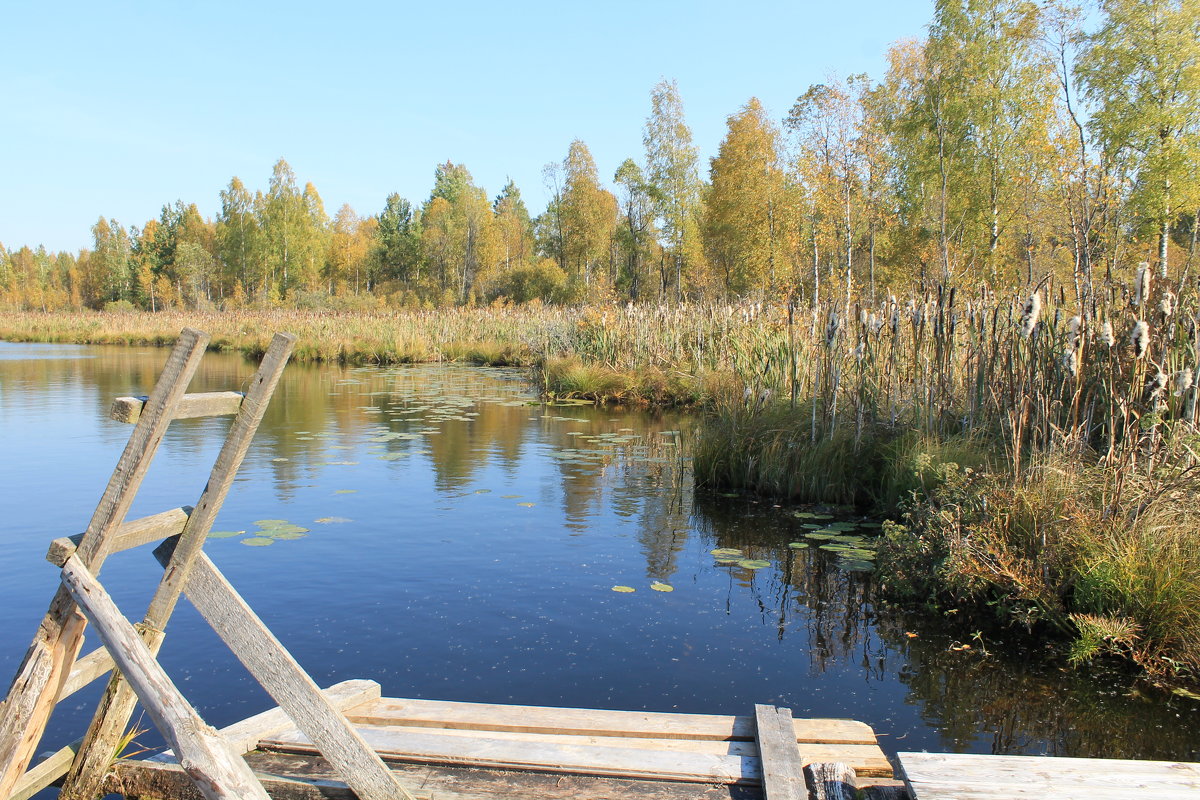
1102, 557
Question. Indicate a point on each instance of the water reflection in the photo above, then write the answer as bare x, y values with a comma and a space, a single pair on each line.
462, 542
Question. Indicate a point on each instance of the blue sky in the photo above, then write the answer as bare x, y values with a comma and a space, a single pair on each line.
115, 109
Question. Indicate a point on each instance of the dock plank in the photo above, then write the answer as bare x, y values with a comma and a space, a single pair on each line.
779, 756
595, 722
951, 776
734, 761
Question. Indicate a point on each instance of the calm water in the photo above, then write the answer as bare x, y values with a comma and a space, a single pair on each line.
463, 541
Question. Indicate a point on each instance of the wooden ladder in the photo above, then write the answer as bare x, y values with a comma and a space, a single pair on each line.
52, 670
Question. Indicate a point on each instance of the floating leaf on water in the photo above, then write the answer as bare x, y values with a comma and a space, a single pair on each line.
797, 545
804, 515
820, 536
288, 535
509, 496
658, 586
280, 459
726, 561
724, 552
812, 526
856, 566
849, 539
327, 520
224, 534
526, 505
344, 491
257, 541
842, 526
267, 523
753, 563
822, 516
624, 589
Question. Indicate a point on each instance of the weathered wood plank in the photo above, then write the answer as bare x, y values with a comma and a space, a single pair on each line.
484, 751
595, 722
43, 671
85, 670
830, 781
191, 406
133, 533
782, 770
45, 772
310, 778
286, 681
940, 776
868, 759
204, 755
116, 705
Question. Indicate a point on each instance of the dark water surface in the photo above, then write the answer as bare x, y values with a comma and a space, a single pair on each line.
463, 541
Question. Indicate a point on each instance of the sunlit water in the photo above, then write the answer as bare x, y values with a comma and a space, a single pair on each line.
463, 541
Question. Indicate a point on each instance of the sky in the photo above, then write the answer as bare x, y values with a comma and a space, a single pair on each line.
115, 109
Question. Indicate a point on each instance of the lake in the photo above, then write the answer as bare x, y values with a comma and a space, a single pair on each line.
461, 541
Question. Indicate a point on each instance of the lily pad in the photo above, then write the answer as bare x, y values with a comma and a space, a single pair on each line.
326, 520
224, 534
797, 545
726, 552
820, 536
527, 505
850, 565
624, 589
257, 541
753, 563
287, 535
344, 491
659, 586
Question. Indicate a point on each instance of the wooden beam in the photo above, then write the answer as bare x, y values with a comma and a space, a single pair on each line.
831, 781
782, 769
207, 404
204, 755
133, 533
286, 681
44, 670
597, 722
46, 772
117, 703
85, 670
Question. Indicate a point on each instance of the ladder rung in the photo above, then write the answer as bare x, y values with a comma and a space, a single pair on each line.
206, 404
95, 664
145, 530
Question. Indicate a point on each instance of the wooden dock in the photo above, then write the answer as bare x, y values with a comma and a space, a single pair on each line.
474, 750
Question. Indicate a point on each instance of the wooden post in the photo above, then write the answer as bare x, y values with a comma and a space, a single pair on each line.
44, 670
202, 752
782, 769
117, 704
285, 680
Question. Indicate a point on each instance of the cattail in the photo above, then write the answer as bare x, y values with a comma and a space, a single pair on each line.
1167, 304
1141, 285
1073, 326
1106, 334
1183, 381
1140, 338
1070, 362
1158, 384
831, 332
860, 351
1029, 316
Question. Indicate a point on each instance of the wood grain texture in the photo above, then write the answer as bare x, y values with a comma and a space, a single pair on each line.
94, 665
204, 755
941, 776
117, 704
302, 777
130, 534
45, 667
286, 681
782, 769
831, 781
191, 406
483, 750
597, 722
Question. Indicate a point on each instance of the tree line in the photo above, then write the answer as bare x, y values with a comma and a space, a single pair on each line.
1007, 144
